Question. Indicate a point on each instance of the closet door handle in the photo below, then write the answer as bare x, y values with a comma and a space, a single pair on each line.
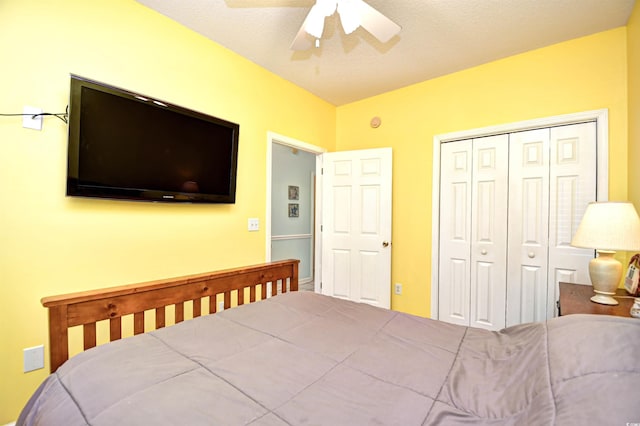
385, 244
483, 252
531, 254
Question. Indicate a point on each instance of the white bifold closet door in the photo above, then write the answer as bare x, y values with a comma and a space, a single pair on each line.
509, 207
473, 238
552, 179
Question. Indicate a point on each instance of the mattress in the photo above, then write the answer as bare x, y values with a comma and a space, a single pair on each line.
306, 359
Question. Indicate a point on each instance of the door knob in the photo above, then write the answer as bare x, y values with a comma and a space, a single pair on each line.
531, 254
483, 252
385, 244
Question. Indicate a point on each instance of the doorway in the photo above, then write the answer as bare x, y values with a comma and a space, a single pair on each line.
357, 247
291, 226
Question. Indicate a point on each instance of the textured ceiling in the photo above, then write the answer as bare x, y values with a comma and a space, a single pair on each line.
438, 37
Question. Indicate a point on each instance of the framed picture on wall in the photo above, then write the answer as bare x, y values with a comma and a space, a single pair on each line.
294, 210
294, 192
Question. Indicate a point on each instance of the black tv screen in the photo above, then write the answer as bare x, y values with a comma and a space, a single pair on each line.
125, 145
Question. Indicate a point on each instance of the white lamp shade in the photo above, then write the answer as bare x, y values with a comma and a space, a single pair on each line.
609, 226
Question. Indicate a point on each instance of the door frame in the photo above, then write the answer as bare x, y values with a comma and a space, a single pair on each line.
600, 117
272, 138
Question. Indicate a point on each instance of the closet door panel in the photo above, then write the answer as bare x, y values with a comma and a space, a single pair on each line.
573, 180
532, 293
483, 296
528, 226
455, 232
489, 231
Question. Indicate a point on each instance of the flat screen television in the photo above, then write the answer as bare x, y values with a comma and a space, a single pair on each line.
129, 146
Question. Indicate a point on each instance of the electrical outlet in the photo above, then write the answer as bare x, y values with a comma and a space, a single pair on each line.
397, 288
253, 224
220, 306
33, 358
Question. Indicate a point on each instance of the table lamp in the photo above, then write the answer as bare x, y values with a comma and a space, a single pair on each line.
607, 227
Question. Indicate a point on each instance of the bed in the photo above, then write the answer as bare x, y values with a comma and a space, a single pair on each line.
287, 357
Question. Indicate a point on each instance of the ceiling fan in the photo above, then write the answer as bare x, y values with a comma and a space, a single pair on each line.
353, 14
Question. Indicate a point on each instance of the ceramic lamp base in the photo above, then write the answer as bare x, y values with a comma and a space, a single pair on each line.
604, 299
605, 273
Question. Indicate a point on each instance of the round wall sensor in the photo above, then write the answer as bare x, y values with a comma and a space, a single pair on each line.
375, 122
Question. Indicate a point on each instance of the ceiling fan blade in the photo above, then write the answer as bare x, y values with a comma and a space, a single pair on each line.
376, 23
303, 40
349, 12
313, 24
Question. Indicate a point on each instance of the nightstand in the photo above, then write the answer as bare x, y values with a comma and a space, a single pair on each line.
574, 299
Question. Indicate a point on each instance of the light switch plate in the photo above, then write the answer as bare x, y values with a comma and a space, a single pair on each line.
28, 121
253, 224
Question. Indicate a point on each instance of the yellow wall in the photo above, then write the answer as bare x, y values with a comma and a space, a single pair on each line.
51, 244
579, 75
633, 52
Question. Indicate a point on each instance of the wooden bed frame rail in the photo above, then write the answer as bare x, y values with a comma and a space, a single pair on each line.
88, 307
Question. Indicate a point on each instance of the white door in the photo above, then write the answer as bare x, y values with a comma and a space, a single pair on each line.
489, 233
473, 238
356, 225
528, 226
552, 179
573, 180
455, 232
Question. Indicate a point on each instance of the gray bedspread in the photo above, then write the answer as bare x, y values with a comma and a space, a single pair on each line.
306, 359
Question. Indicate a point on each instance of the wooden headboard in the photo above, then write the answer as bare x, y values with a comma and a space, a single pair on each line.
88, 307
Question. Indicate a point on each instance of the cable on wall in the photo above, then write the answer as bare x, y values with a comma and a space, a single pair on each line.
61, 115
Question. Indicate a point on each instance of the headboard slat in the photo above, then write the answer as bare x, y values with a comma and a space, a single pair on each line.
197, 307
115, 329
138, 322
212, 305
240, 298
160, 317
227, 299
179, 317
89, 333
